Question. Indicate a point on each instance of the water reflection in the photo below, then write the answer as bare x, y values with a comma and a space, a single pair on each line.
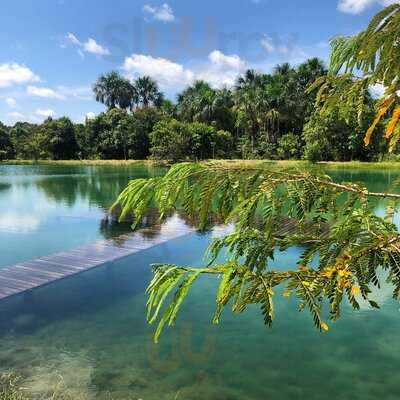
45, 209
4, 186
91, 329
15, 223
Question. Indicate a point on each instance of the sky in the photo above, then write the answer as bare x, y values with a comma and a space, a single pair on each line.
52, 51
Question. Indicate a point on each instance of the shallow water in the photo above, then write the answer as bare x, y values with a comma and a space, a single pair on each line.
51, 208
91, 330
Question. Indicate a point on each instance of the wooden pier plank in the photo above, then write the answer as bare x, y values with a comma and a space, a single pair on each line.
33, 274
29, 275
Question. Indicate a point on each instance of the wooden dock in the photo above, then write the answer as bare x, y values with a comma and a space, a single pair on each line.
28, 275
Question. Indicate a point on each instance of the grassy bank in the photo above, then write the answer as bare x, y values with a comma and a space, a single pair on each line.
325, 165
361, 165
248, 163
116, 163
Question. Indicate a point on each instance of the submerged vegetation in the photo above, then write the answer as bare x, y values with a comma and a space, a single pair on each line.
346, 248
12, 388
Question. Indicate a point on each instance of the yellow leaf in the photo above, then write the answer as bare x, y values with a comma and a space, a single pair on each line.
383, 108
286, 294
324, 327
355, 290
393, 122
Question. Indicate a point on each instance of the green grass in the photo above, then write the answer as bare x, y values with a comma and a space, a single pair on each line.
244, 163
84, 162
325, 165
13, 387
361, 165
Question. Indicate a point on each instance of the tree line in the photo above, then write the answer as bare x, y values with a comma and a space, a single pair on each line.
264, 116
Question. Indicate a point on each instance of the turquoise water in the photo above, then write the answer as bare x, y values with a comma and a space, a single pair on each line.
51, 208
91, 330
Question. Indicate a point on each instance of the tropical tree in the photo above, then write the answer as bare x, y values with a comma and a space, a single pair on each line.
119, 134
344, 245
201, 103
113, 90
293, 102
57, 139
101, 133
361, 62
223, 110
6, 147
145, 121
147, 93
195, 103
173, 140
289, 147
256, 112
328, 137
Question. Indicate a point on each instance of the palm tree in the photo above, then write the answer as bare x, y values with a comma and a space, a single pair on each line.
222, 110
195, 102
311, 70
256, 106
284, 69
147, 92
114, 91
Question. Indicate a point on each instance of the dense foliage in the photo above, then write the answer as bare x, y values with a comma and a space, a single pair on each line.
369, 59
266, 116
345, 248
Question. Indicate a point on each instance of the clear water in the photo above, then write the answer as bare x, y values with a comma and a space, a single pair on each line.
47, 208
91, 329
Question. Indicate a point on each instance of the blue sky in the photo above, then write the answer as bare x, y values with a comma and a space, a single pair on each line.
53, 50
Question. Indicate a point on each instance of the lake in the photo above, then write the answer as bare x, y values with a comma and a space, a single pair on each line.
91, 329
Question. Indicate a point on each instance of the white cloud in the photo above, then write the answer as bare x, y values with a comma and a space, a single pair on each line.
44, 92
90, 115
45, 113
163, 13
166, 72
16, 116
78, 93
11, 102
377, 90
16, 74
73, 39
90, 46
17, 223
285, 49
267, 44
275, 46
358, 6
219, 70
354, 6
222, 69
223, 61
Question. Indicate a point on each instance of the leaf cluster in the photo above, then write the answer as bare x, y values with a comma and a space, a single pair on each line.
344, 243
361, 62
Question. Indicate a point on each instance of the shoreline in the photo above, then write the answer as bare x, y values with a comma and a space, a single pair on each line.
283, 163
